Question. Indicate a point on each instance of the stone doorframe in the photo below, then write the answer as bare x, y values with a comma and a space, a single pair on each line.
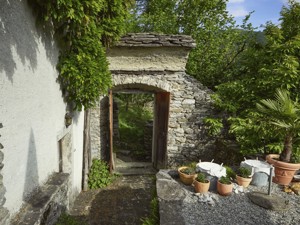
156, 63
160, 119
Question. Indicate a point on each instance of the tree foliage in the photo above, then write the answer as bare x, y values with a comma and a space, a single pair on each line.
85, 28
240, 65
219, 40
264, 67
284, 114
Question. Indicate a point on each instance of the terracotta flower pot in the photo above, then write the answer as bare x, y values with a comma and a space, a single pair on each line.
224, 189
186, 179
242, 181
201, 187
284, 171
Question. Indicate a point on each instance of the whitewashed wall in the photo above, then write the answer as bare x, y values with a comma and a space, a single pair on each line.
32, 109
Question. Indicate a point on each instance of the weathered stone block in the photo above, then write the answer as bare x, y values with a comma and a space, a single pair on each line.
272, 202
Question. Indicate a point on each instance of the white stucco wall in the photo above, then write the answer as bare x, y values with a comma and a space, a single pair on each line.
32, 109
78, 124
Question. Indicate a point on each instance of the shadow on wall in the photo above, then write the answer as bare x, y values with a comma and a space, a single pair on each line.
32, 175
18, 30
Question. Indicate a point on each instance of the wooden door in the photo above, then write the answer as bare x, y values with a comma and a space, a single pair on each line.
111, 154
160, 136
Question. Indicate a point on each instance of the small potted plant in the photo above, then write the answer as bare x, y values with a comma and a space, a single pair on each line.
187, 174
201, 184
224, 186
243, 176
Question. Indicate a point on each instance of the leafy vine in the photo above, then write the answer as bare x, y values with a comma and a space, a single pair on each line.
85, 29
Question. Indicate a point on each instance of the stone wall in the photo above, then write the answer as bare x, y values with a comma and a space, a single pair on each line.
190, 104
156, 63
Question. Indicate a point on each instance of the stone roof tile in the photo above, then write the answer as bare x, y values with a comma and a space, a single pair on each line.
155, 40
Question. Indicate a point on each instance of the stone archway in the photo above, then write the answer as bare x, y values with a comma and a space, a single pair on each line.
157, 62
161, 94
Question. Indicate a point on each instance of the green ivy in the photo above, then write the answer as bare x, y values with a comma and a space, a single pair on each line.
84, 28
99, 176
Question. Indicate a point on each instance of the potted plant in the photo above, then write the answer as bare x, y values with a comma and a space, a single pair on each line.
201, 184
187, 174
224, 186
243, 176
284, 114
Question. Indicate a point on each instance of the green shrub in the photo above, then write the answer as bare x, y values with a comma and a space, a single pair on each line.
192, 165
244, 172
230, 173
201, 178
225, 180
188, 171
66, 219
99, 176
153, 218
295, 158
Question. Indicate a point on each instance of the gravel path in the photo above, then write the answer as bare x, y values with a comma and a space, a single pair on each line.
187, 208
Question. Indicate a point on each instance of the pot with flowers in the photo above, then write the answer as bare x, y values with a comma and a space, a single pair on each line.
284, 114
201, 184
243, 176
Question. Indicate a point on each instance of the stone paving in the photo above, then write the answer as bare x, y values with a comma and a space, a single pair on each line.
124, 202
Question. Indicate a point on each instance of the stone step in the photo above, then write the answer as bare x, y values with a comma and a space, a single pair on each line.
127, 171
135, 168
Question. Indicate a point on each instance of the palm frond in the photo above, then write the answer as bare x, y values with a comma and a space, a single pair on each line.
281, 111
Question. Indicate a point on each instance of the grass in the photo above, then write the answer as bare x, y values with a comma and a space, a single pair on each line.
133, 116
66, 219
153, 218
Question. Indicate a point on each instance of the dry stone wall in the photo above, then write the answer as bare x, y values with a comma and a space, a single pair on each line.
190, 104
156, 63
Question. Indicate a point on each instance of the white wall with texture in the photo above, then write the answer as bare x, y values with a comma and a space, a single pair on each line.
32, 109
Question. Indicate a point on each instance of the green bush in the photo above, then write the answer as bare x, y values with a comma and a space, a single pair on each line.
244, 172
230, 173
99, 176
225, 180
188, 171
201, 178
153, 218
66, 219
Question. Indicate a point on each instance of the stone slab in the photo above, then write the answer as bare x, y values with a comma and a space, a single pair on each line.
46, 204
272, 202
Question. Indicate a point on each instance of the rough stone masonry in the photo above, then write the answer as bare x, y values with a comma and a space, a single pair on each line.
154, 62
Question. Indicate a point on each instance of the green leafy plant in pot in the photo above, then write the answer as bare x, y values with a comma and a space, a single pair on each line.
187, 174
224, 186
201, 184
284, 114
243, 176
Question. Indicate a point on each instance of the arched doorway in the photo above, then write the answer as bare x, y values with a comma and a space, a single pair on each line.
159, 137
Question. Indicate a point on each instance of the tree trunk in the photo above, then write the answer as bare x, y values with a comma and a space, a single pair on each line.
286, 154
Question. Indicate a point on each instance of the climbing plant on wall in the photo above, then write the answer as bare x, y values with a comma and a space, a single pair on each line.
85, 28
